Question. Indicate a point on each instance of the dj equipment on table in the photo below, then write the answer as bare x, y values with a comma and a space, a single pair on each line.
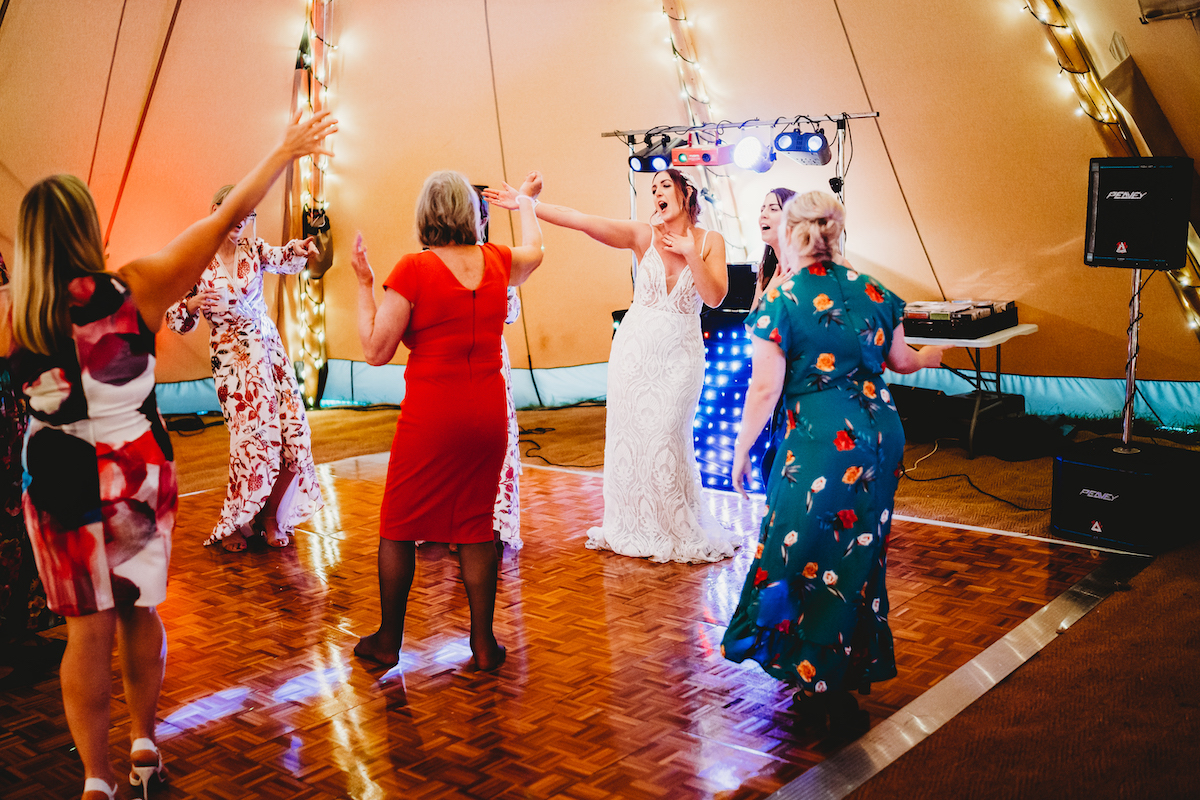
958, 319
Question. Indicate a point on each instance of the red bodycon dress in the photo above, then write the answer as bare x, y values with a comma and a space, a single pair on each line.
452, 432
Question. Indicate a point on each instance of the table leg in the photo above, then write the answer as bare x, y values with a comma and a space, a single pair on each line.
978, 359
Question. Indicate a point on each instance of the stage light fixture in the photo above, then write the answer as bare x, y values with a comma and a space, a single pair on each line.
655, 157
750, 153
702, 156
806, 147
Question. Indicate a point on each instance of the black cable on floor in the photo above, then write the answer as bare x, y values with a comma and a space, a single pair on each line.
535, 445
973, 486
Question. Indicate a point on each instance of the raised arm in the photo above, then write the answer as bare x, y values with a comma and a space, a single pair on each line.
158, 281
903, 359
379, 329
623, 233
527, 257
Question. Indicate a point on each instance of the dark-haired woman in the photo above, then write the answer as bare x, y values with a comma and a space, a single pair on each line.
447, 304
652, 502
770, 223
100, 492
272, 479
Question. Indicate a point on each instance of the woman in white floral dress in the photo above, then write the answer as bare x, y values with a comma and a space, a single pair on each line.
270, 447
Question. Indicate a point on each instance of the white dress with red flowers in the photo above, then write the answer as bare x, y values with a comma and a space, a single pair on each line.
257, 387
653, 506
507, 511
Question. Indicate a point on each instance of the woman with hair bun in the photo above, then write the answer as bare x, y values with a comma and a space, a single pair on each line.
652, 502
813, 610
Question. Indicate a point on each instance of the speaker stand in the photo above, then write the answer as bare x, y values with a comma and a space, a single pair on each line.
1135, 315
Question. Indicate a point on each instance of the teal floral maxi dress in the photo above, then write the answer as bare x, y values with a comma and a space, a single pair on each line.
813, 611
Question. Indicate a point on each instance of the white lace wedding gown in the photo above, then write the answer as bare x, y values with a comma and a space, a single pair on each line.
652, 502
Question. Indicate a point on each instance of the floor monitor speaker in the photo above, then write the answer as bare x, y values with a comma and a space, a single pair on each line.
1130, 501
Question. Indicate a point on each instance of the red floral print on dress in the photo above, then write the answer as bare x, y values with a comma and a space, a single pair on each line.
843, 441
873, 292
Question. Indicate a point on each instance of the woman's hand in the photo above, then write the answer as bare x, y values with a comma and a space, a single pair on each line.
303, 247
203, 301
741, 471
306, 138
358, 260
532, 186
684, 245
504, 198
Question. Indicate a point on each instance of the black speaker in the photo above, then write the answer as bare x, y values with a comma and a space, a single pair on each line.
1130, 501
1138, 212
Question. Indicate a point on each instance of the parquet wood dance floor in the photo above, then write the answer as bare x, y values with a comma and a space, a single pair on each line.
614, 686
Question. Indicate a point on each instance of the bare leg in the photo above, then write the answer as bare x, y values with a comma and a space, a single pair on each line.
143, 647
479, 569
397, 566
87, 689
274, 536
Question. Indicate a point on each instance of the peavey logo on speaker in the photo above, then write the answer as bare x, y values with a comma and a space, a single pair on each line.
1109, 496
1126, 195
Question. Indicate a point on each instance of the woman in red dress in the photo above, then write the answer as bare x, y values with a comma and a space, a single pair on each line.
447, 304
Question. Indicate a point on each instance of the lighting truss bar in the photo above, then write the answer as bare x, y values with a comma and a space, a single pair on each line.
717, 128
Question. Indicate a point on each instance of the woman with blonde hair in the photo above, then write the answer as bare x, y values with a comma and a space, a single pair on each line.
447, 304
100, 483
813, 610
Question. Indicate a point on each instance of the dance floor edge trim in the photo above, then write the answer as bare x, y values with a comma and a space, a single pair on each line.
858, 762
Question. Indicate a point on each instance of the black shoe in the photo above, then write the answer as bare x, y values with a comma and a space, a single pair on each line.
811, 710
846, 720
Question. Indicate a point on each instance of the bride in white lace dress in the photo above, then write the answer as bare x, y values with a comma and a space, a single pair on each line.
653, 507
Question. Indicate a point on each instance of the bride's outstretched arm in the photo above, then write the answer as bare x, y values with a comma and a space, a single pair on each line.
622, 233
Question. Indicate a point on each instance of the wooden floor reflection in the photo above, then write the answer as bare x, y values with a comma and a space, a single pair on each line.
614, 686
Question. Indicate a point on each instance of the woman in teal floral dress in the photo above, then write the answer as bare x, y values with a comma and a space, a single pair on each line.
813, 611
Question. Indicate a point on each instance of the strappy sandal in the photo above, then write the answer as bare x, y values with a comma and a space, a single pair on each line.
93, 785
146, 771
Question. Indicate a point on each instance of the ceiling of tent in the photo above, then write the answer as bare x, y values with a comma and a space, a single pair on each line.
972, 179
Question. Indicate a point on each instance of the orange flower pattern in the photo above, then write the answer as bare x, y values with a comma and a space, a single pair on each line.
824, 539
257, 388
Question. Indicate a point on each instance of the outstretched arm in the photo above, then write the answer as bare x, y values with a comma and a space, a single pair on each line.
380, 330
158, 281
527, 257
623, 233
903, 359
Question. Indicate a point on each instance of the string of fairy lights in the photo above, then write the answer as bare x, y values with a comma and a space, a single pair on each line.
715, 183
311, 96
1116, 129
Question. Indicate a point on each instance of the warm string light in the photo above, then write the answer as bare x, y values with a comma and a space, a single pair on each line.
1074, 60
715, 184
310, 355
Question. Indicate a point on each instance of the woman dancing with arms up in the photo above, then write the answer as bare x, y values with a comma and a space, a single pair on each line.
272, 479
100, 483
653, 507
813, 611
447, 304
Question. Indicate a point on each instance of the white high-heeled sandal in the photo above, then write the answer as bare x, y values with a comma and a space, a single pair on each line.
145, 775
99, 785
